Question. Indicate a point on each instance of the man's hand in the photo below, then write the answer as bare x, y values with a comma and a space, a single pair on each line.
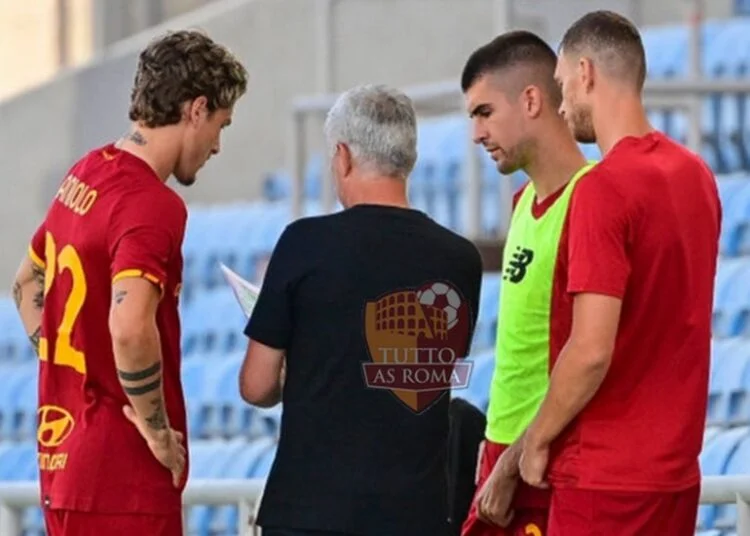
496, 496
533, 464
166, 446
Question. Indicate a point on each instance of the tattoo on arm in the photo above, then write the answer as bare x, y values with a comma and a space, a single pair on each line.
137, 138
120, 296
34, 338
17, 294
141, 374
157, 420
143, 389
39, 278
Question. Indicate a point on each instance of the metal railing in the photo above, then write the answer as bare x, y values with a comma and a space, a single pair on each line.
16, 496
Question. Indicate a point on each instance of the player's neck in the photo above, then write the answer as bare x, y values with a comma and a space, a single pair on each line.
153, 147
629, 119
385, 191
552, 167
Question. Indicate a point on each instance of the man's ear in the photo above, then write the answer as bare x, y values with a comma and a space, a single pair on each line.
532, 101
342, 160
196, 109
586, 72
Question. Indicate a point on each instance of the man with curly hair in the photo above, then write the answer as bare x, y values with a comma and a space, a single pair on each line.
98, 292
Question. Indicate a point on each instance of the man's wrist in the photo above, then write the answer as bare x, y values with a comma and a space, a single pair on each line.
159, 437
507, 468
535, 440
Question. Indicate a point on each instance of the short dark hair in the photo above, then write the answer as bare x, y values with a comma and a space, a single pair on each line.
614, 39
182, 66
519, 48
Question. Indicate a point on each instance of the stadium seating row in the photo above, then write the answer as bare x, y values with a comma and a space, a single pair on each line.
215, 409
213, 324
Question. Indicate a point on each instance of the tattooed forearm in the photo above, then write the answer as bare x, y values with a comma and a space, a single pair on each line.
17, 294
39, 294
143, 389
157, 420
140, 374
34, 338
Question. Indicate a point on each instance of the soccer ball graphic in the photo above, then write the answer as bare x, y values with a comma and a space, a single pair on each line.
443, 297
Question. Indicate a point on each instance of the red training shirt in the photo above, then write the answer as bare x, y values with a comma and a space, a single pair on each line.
112, 217
643, 226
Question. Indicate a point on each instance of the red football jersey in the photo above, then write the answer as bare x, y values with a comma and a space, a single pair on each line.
112, 217
643, 226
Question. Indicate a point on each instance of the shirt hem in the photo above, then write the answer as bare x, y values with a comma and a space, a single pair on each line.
150, 505
645, 487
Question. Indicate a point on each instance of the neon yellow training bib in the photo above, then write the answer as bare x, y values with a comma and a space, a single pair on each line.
521, 375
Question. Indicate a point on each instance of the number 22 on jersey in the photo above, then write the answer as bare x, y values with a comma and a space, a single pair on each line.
57, 263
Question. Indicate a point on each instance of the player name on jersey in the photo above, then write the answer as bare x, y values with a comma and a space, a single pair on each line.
76, 195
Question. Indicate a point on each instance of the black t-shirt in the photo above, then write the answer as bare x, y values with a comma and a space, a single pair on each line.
349, 295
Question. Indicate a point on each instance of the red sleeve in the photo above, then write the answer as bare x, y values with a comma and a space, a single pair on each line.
517, 195
145, 232
36, 247
597, 238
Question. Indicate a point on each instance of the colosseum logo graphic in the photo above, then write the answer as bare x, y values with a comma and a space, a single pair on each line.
417, 340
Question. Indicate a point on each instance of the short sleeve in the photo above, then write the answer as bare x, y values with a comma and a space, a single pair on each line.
598, 230
36, 247
271, 319
145, 232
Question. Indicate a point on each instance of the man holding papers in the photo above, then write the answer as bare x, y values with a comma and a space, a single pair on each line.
373, 309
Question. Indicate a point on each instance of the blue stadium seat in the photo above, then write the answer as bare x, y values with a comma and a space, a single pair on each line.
267, 421
14, 343
731, 297
26, 406
18, 402
658, 43
730, 359
713, 461
484, 335
226, 414
453, 148
710, 433
729, 193
213, 323
738, 464
193, 371
18, 461
9, 373
423, 189
736, 214
209, 459
742, 400
253, 461
196, 238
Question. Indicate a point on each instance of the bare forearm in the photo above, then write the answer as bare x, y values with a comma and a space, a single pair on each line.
507, 464
574, 381
262, 376
138, 361
28, 295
